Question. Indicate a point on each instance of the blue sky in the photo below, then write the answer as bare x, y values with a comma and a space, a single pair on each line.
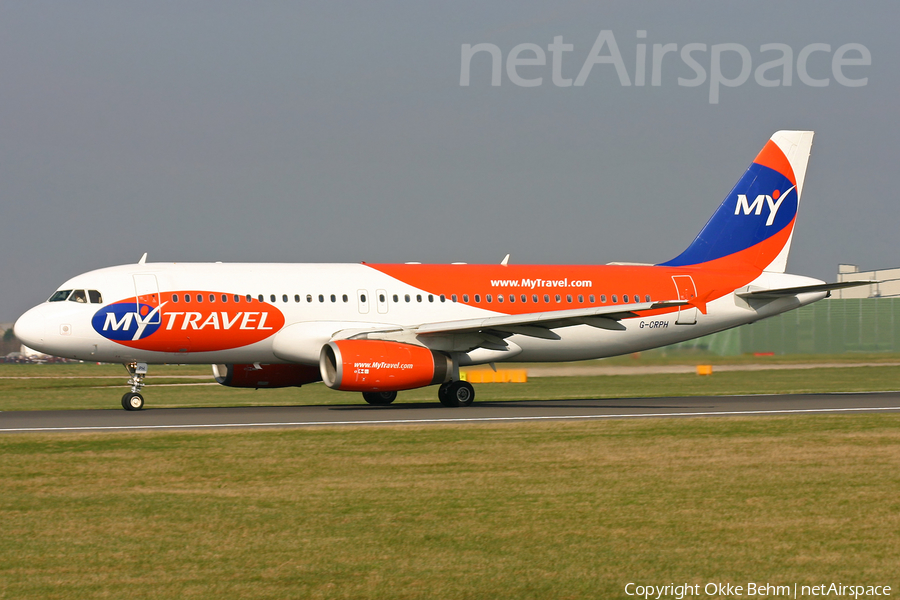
339, 132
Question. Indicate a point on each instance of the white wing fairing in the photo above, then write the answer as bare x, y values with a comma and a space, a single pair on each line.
378, 329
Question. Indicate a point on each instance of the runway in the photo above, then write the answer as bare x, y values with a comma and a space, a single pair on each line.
433, 413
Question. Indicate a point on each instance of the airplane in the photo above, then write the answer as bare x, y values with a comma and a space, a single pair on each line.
383, 328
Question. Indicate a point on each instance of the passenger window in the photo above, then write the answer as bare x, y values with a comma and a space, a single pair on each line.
568, 298
333, 298
625, 298
224, 298
546, 298
443, 298
430, 298
465, 297
237, 298
406, 297
187, 297
321, 298
296, 297
78, 296
60, 295
396, 298
615, 299
249, 298
477, 298
199, 297
309, 297
95, 297
174, 297
453, 298
603, 298
345, 299
418, 297
512, 298
647, 298
499, 297
534, 298
524, 298
591, 298
558, 299
580, 298
262, 298
488, 297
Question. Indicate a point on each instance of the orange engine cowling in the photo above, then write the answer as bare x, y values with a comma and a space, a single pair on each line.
265, 376
378, 366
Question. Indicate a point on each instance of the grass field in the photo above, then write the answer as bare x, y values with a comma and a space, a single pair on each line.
543, 511
90, 386
572, 510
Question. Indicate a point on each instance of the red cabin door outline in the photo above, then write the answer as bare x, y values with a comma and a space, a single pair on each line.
686, 290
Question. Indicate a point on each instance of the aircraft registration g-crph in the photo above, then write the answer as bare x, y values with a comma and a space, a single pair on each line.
379, 328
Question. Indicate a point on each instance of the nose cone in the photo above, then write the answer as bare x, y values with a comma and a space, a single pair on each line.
29, 329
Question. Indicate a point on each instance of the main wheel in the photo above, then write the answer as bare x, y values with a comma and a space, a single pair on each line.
457, 393
379, 398
132, 401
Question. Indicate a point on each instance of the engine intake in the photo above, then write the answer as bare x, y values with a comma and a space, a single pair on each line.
265, 376
379, 366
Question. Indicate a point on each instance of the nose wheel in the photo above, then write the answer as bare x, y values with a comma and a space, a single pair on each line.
133, 399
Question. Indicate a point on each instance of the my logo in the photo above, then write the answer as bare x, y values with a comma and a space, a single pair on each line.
773, 202
127, 321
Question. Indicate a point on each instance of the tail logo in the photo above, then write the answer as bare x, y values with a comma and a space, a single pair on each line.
773, 201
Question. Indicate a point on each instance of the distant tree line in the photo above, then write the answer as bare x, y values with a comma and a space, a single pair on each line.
9, 343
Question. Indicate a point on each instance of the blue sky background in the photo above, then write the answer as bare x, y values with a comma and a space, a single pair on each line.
296, 132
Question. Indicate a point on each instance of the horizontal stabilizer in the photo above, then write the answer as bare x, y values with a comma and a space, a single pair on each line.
803, 289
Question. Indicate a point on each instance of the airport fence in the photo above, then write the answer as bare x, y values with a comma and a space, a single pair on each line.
833, 326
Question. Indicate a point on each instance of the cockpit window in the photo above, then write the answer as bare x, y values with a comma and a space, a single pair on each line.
78, 296
95, 297
60, 295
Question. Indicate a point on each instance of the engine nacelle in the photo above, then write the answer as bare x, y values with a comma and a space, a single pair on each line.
265, 376
378, 366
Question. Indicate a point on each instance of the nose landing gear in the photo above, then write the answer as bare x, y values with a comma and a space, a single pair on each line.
133, 399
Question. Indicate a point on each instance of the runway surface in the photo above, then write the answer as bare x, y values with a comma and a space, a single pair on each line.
419, 414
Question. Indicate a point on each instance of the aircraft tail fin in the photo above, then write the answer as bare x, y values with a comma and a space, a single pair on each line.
754, 225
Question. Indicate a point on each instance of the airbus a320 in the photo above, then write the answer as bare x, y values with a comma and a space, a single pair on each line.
382, 328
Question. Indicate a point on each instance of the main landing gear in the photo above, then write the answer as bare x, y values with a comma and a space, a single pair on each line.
451, 393
456, 393
133, 399
379, 398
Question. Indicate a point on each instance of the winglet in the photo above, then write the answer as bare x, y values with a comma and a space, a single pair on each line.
505, 260
143, 259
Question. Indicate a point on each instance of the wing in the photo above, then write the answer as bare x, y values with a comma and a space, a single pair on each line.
492, 330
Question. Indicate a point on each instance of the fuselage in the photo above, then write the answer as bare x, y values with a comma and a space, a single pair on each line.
285, 313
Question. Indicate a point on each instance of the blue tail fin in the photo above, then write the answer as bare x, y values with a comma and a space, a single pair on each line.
755, 223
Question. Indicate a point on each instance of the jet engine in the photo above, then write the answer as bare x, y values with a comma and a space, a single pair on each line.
374, 365
265, 376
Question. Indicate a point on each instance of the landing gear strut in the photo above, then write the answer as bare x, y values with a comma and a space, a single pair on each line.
133, 399
456, 393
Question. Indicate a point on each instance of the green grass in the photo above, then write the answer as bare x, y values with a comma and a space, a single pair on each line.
101, 386
542, 511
